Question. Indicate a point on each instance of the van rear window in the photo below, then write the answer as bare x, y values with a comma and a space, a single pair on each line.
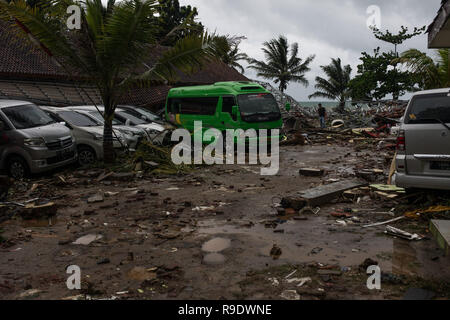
429, 109
197, 106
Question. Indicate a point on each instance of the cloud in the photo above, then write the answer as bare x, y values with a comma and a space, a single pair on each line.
326, 28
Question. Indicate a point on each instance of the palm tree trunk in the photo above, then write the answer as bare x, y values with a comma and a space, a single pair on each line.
341, 107
108, 147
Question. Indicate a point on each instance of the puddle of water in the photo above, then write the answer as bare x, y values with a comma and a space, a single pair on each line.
214, 259
88, 239
216, 245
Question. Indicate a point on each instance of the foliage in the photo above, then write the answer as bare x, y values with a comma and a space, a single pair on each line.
432, 73
378, 74
377, 77
400, 37
335, 87
162, 156
282, 65
387, 79
176, 22
226, 49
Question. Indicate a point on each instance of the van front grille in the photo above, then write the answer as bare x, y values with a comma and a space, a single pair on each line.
59, 144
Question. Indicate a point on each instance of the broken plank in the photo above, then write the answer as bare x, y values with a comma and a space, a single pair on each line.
325, 193
383, 223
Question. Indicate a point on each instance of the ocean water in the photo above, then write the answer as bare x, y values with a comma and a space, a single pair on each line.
326, 104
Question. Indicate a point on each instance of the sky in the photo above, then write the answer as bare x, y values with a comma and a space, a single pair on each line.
326, 28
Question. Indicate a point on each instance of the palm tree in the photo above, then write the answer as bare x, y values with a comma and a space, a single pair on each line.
226, 49
335, 87
110, 49
282, 63
433, 73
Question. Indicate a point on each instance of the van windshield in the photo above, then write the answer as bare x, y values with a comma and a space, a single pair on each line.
258, 107
429, 109
27, 116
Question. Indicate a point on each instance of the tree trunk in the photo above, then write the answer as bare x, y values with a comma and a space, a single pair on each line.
108, 147
341, 107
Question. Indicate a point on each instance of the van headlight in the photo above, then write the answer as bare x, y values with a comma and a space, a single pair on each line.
34, 142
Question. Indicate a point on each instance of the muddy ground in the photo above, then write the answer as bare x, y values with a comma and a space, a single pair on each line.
210, 234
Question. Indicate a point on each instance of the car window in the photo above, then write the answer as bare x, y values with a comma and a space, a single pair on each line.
199, 106
27, 116
150, 115
99, 118
77, 119
123, 116
228, 103
429, 109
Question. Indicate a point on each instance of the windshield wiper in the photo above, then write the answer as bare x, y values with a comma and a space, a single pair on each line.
435, 119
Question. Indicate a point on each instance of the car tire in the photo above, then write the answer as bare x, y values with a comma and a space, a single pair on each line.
17, 168
86, 156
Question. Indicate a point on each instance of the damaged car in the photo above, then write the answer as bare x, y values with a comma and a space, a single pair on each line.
31, 141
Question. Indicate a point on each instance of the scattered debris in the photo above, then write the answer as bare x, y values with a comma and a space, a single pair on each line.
311, 172
276, 252
95, 199
321, 195
441, 232
290, 295
87, 239
402, 234
383, 223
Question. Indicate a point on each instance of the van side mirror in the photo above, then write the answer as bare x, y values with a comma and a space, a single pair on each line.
128, 122
235, 111
288, 107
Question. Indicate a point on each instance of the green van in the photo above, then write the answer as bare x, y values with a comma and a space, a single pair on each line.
223, 106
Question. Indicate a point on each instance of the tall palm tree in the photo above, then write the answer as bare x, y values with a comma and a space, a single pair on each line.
433, 73
335, 87
283, 65
226, 49
111, 48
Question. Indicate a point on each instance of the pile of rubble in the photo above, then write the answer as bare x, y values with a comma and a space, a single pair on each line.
372, 120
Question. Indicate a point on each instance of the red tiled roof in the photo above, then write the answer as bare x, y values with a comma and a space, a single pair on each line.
20, 60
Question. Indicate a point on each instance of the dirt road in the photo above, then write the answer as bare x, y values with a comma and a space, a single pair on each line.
210, 234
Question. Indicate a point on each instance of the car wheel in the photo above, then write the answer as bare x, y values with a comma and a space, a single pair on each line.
86, 156
17, 168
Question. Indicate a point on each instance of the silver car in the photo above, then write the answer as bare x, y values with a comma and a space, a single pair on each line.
156, 132
87, 132
134, 136
31, 141
423, 143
